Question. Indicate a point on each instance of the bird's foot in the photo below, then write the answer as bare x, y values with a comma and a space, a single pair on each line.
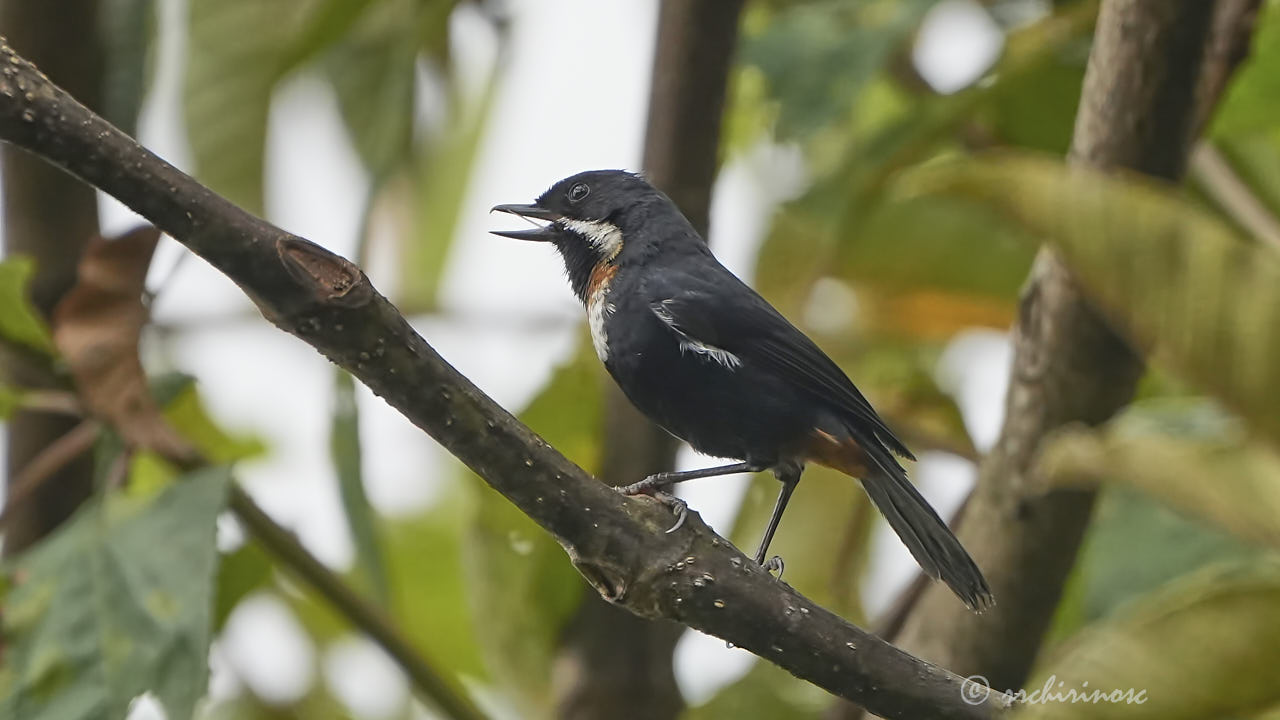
774, 565
649, 487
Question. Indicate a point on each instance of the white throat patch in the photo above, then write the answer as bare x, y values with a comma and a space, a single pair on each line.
604, 236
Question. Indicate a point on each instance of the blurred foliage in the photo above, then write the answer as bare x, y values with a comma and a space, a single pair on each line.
1203, 646
817, 56
521, 584
919, 218
1176, 280
344, 448
20, 324
114, 603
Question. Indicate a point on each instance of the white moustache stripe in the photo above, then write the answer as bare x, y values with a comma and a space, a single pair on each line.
605, 237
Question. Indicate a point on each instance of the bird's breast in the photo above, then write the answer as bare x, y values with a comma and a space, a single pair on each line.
598, 306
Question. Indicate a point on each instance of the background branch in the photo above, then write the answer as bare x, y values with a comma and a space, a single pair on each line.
1138, 110
692, 576
365, 616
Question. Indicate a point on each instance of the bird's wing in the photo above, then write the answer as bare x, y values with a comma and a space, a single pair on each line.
744, 324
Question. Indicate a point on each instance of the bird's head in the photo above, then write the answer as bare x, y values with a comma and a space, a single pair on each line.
592, 218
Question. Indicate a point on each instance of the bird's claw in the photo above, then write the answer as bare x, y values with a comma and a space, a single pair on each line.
772, 565
678, 507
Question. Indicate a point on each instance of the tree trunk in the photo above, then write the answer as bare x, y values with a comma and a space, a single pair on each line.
49, 216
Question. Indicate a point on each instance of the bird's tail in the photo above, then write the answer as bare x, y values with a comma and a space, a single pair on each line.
928, 538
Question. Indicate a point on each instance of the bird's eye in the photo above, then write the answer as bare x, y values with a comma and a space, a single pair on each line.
577, 192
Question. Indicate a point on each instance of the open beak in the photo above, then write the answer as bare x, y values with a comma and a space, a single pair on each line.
542, 233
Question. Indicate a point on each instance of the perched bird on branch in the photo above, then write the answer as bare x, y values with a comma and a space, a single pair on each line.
708, 359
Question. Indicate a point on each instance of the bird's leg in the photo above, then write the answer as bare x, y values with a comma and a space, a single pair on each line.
790, 477
656, 484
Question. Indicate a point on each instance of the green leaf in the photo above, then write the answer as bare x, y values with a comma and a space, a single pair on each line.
1205, 646
521, 584
1252, 100
443, 168
428, 600
237, 51
19, 321
817, 56
344, 448
913, 280
1165, 273
764, 693
117, 602
186, 413
1136, 544
1219, 477
240, 573
372, 70
126, 28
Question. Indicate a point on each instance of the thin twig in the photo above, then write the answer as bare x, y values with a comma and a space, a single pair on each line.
47, 462
1214, 173
58, 402
294, 557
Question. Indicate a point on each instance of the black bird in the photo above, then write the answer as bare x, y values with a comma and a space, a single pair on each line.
708, 359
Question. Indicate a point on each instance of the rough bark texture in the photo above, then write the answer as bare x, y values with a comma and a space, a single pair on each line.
48, 216
1139, 111
691, 576
619, 665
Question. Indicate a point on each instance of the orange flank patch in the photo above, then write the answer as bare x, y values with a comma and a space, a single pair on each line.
844, 455
601, 274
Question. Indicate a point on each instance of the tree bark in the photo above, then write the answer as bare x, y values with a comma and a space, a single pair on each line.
620, 665
48, 216
691, 576
1139, 111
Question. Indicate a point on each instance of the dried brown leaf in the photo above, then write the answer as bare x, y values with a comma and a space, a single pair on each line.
97, 327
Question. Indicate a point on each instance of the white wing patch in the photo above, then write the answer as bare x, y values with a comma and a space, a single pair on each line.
688, 344
605, 237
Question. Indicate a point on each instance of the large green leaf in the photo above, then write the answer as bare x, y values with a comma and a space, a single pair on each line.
1203, 647
521, 584
1134, 545
1219, 477
236, 53
117, 602
372, 71
19, 321
1166, 273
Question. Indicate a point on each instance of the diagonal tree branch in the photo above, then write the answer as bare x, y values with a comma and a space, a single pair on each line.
1145, 96
692, 576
